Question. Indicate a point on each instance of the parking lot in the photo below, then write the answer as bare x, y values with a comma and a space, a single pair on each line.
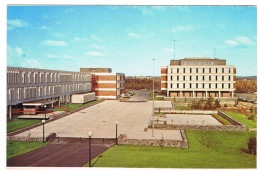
100, 119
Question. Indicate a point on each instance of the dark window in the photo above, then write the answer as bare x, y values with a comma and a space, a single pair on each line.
216, 70
183, 85
190, 78
177, 70
222, 78
203, 77
210, 78
196, 78
216, 78
203, 70
171, 85
222, 85
228, 85
183, 78
197, 70
209, 85
190, 70
229, 78
216, 85
222, 70
177, 85
183, 70
197, 85
171, 78
203, 85
177, 78
190, 85
209, 70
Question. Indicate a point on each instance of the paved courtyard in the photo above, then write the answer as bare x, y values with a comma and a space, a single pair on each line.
100, 119
191, 119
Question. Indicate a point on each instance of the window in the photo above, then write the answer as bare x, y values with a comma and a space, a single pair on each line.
190, 85
177, 78
210, 78
203, 78
209, 70
216, 78
196, 78
190, 78
216, 86
222, 78
177, 85
222, 70
229, 78
216, 70
183, 78
196, 85
203, 70
209, 85
171, 78
197, 70
203, 85
177, 70
171, 85
183, 85
222, 85
229, 85
190, 70
183, 70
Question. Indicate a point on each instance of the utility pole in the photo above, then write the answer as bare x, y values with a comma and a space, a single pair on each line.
153, 101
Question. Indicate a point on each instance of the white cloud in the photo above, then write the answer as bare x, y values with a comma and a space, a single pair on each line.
244, 40
95, 46
94, 53
231, 43
58, 35
134, 35
52, 56
167, 50
95, 38
78, 39
239, 41
17, 23
19, 51
31, 63
181, 28
54, 43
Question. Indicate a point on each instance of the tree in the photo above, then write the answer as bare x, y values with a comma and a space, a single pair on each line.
252, 146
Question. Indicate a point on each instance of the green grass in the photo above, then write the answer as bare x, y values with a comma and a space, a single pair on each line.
182, 107
20, 123
242, 118
221, 119
74, 106
224, 152
15, 148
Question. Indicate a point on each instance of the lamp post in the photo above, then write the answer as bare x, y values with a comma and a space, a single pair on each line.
43, 122
153, 102
116, 133
89, 135
45, 111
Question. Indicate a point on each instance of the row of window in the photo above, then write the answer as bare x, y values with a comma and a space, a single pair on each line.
33, 92
202, 70
201, 78
201, 85
37, 77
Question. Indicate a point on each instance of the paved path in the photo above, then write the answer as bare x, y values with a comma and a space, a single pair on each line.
139, 96
58, 155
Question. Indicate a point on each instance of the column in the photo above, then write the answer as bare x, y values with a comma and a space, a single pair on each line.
218, 94
180, 93
206, 94
192, 93
10, 112
232, 94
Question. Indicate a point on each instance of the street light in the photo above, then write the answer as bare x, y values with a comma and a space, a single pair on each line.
45, 111
89, 135
43, 122
116, 133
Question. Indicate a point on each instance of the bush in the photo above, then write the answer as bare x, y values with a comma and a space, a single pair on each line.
225, 105
252, 145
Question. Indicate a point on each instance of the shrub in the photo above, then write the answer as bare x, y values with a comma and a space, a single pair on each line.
252, 145
225, 105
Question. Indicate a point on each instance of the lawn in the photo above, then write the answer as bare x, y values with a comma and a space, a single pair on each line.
15, 148
242, 118
74, 106
20, 123
178, 107
225, 152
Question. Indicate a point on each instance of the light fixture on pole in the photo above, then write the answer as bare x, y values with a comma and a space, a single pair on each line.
89, 135
116, 133
153, 102
45, 111
43, 122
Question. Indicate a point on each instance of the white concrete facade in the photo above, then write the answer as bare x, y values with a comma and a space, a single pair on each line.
193, 78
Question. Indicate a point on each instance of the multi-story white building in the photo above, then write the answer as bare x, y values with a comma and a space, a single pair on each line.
33, 88
198, 77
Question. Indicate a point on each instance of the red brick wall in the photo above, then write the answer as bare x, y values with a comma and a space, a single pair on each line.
106, 77
164, 70
106, 85
105, 93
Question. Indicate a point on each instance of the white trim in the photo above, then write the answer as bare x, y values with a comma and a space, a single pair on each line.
106, 89
107, 82
162, 74
108, 97
163, 88
104, 74
163, 81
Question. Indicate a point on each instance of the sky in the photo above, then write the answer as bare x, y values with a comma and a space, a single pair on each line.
128, 38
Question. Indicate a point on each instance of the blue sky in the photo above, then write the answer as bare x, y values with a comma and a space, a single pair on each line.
127, 38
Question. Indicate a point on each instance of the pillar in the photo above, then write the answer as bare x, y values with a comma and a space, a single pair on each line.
192, 93
218, 94
232, 94
10, 112
206, 94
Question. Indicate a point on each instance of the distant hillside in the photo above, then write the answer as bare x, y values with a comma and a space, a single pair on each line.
247, 77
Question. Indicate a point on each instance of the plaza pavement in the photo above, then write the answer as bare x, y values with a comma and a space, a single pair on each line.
184, 119
100, 119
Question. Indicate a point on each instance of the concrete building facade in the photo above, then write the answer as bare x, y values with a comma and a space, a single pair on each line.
198, 77
32, 88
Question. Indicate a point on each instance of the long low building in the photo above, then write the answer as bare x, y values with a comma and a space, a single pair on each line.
199, 78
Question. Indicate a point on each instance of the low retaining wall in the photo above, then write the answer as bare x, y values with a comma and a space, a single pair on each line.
199, 112
31, 139
228, 118
200, 127
154, 142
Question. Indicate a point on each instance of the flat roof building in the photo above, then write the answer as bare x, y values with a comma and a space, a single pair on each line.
198, 78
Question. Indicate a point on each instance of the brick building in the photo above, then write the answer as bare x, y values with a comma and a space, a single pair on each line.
198, 77
106, 84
